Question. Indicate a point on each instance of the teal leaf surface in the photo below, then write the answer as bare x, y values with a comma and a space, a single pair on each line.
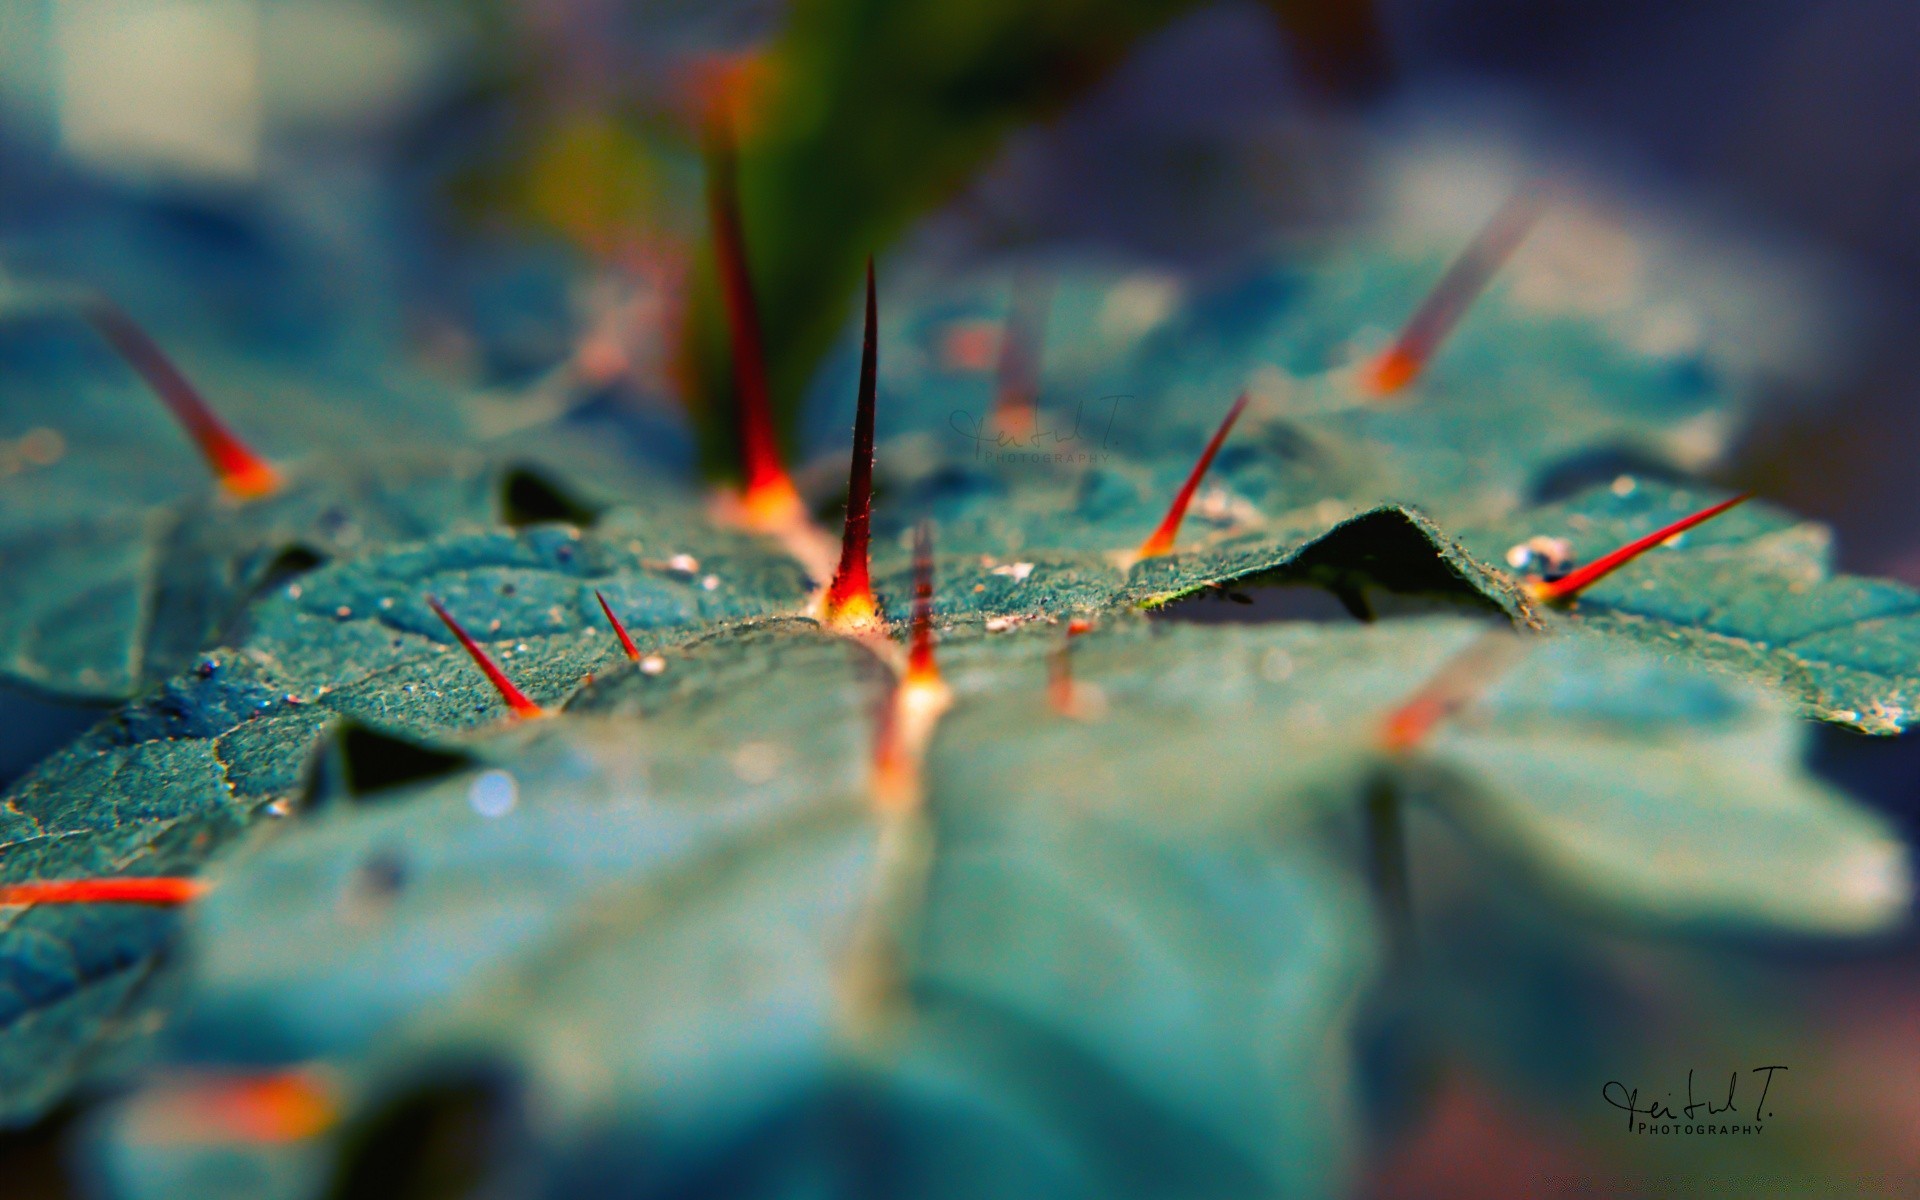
1753, 591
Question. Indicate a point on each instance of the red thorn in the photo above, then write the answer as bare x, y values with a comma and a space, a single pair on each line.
1458, 681
1161, 540
516, 699
243, 473
850, 596
1017, 385
920, 665
620, 631
166, 891
1570, 585
1449, 300
768, 491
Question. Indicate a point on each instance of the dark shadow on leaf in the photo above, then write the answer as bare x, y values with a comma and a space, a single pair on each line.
286, 566
529, 498
1592, 468
438, 1141
1380, 565
361, 763
36, 727
34, 1161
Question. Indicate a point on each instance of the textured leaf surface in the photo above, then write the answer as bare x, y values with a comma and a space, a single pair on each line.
162, 785
1753, 591
118, 558
655, 937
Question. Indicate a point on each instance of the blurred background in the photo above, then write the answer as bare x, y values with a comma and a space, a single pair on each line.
504, 193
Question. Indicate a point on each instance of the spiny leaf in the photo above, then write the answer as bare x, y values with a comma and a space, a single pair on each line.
120, 563
165, 784
587, 908
1753, 591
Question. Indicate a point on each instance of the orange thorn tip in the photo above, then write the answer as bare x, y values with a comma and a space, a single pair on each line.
768, 497
921, 668
165, 891
1401, 363
620, 631
849, 600
1569, 586
1161, 540
241, 472
516, 699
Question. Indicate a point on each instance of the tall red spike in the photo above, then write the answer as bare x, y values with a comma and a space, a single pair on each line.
620, 631
1017, 379
166, 891
920, 665
768, 494
1401, 363
516, 699
849, 600
1570, 585
242, 472
1161, 540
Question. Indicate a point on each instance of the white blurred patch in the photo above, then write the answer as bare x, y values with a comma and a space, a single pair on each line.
1139, 304
168, 87
493, 794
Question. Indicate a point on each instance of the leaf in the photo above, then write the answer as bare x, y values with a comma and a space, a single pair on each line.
750, 839
119, 561
654, 939
1523, 400
1650, 786
1753, 592
168, 781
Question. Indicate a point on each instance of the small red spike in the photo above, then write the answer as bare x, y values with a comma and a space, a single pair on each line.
166, 891
243, 473
1161, 540
1570, 585
920, 665
768, 494
1401, 363
849, 601
620, 631
516, 699
1017, 382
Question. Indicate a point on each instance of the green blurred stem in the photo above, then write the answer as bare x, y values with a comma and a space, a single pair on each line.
881, 110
